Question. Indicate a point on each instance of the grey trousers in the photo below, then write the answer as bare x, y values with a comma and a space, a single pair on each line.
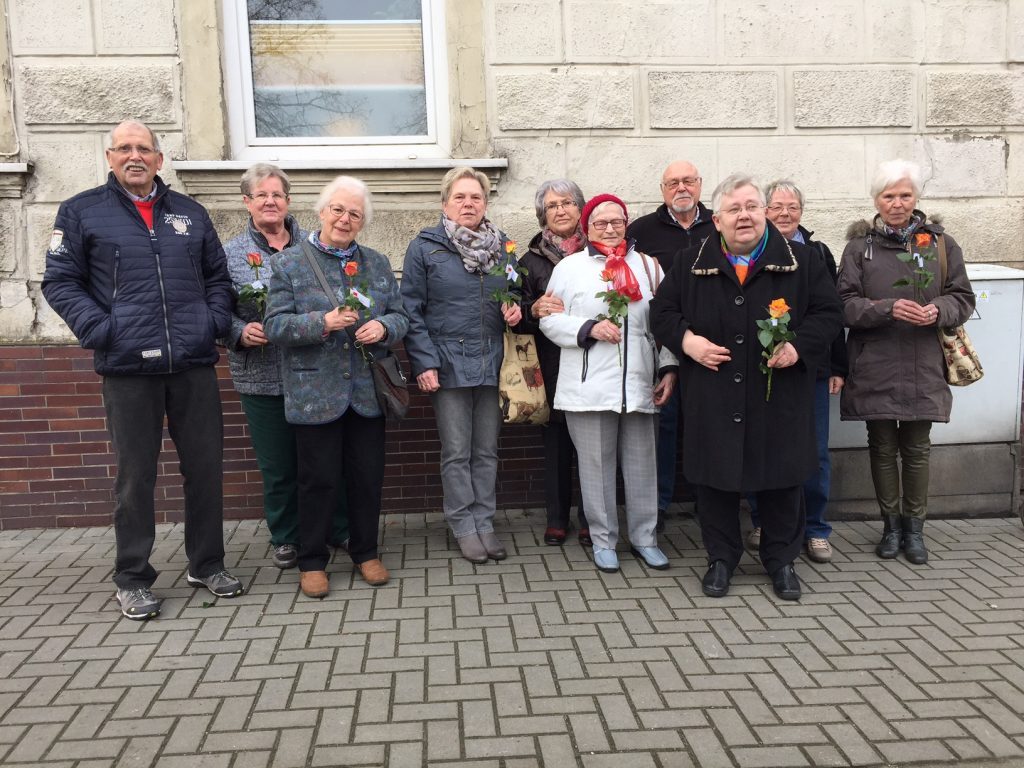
468, 423
602, 438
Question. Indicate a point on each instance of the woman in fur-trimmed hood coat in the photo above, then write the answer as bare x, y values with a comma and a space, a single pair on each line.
896, 369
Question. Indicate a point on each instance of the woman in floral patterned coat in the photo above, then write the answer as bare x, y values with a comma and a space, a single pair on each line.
328, 388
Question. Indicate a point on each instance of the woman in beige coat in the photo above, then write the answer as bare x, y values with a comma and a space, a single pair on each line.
897, 381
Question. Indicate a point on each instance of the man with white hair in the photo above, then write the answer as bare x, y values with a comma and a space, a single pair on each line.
138, 274
679, 223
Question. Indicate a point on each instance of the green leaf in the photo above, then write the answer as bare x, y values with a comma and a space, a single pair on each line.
904, 256
765, 337
901, 283
208, 604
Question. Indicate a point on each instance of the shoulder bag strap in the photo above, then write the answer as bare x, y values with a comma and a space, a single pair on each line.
656, 280
310, 254
942, 263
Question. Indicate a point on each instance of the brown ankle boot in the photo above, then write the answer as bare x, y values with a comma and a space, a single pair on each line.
314, 583
373, 572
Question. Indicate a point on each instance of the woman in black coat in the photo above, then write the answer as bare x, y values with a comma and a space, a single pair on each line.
739, 440
558, 203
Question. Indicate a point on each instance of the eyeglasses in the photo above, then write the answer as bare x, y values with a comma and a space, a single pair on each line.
262, 197
127, 149
792, 208
687, 181
566, 205
751, 209
338, 211
602, 224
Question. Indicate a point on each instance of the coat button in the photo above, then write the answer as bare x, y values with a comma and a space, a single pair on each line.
345, 345
346, 375
739, 338
737, 417
738, 378
738, 301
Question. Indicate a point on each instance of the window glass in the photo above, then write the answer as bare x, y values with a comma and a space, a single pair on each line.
338, 69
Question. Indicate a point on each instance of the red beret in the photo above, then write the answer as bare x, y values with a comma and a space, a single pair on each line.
596, 201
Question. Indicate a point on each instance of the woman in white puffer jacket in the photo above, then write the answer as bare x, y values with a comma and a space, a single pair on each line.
611, 379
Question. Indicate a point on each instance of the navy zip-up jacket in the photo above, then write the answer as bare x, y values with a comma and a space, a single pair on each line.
147, 302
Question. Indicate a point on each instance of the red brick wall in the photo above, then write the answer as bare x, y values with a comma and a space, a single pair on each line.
56, 465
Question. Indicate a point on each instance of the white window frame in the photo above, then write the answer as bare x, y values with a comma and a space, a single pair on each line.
238, 95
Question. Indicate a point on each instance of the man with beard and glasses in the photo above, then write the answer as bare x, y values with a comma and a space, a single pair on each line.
681, 222
138, 274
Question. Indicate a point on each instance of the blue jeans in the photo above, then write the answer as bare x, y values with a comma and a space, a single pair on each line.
668, 431
816, 488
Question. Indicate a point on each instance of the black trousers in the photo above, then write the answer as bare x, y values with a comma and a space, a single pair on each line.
135, 407
782, 525
559, 454
351, 447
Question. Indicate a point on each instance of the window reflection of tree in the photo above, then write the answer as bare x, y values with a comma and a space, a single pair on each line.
311, 111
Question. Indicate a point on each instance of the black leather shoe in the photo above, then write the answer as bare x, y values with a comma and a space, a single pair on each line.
584, 537
913, 541
890, 544
716, 580
786, 584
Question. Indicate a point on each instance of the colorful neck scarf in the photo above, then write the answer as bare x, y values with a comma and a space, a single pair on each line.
742, 264
555, 248
345, 254
480, 249
901, 235
623, 279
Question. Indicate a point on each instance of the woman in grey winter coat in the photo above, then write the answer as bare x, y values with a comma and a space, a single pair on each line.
897, 382
455, 349
255, 363
329, 395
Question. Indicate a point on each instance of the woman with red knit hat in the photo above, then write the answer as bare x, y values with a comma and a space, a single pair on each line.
611, 378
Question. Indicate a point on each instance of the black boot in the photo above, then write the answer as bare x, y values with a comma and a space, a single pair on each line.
889, 546
913, 540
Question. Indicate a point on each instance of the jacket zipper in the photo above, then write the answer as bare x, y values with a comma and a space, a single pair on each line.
625, 356
117, 268
485, 353
154, 245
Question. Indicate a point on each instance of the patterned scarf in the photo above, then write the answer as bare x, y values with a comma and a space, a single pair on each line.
900, 235
479, 249
345, 254
623, 280
742, 264
555, 248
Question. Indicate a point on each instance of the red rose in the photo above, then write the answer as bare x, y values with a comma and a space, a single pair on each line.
351, 268
254, 259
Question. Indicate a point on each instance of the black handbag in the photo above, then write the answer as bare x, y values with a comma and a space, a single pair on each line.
389, 383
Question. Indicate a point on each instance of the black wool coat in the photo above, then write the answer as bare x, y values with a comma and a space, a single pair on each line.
659, 235
734, 440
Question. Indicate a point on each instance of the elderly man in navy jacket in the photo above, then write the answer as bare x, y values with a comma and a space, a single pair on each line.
138, 274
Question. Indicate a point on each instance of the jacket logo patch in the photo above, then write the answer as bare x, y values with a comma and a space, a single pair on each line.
179, 222
56, 239
150, 353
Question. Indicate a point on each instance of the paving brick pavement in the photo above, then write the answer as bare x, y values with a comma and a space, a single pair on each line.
536, 661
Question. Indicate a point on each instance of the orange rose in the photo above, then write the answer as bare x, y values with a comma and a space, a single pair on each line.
608, 276
778, 308
921, 239
510, 246
254, 259
351, 268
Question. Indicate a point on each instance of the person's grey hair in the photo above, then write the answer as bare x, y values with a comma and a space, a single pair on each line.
463, 172
601, 207
730, 184
559, 187
258, 173
783, 185
352, 184
136, 124
893, 172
